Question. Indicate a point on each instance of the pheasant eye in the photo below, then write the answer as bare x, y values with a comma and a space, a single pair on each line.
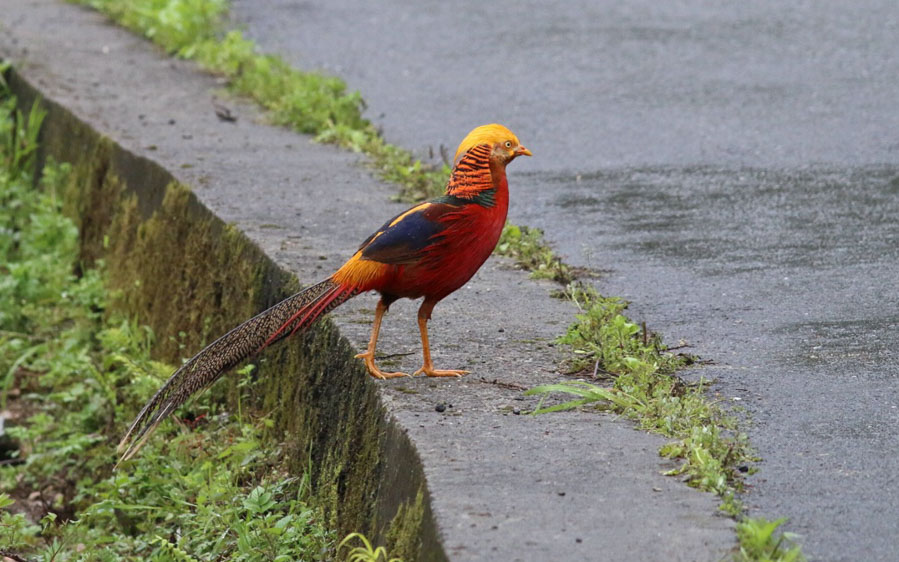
508, 144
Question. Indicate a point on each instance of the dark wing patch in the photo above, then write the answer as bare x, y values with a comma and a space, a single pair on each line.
402, 238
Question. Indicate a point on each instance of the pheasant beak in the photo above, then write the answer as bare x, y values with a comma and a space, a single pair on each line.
522, 151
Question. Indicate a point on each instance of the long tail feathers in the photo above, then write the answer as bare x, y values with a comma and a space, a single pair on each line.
294, 313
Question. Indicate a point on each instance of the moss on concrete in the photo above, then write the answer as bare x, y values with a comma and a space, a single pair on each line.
325, 410
403, 533
179, 269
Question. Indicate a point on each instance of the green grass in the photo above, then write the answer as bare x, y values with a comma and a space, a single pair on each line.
759, 540
364, 552
706, 439
72, 374
531, 253
645, 388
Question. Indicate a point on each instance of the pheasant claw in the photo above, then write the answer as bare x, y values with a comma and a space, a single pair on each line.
373, 369
432, 372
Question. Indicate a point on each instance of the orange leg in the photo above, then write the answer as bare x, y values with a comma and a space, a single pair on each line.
369, 355
424, 314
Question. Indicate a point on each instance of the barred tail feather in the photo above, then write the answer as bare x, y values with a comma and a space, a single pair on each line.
294, 313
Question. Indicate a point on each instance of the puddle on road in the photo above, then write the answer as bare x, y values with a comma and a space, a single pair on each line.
723, 220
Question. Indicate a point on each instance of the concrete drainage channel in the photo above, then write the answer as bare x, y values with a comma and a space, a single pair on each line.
471, 482
160, 245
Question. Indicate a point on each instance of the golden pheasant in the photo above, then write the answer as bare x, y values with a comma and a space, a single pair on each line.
427, 251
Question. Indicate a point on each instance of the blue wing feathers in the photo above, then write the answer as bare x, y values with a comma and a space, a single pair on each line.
404, 242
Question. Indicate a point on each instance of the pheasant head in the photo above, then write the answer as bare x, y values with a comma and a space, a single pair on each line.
501, 143
480, 164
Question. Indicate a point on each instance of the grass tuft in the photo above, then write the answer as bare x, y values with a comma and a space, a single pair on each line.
644, 388
530, 251
759, 540
364, 552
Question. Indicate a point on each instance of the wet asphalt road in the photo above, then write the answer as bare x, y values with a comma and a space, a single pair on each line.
734, 171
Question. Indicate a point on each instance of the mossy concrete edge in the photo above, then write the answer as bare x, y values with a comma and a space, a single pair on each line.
180, 269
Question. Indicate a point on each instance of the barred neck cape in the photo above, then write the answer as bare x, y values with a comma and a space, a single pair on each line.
473, 179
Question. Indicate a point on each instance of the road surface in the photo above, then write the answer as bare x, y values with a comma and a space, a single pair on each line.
732, 168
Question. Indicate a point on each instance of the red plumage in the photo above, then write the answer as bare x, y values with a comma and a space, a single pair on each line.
467, 236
